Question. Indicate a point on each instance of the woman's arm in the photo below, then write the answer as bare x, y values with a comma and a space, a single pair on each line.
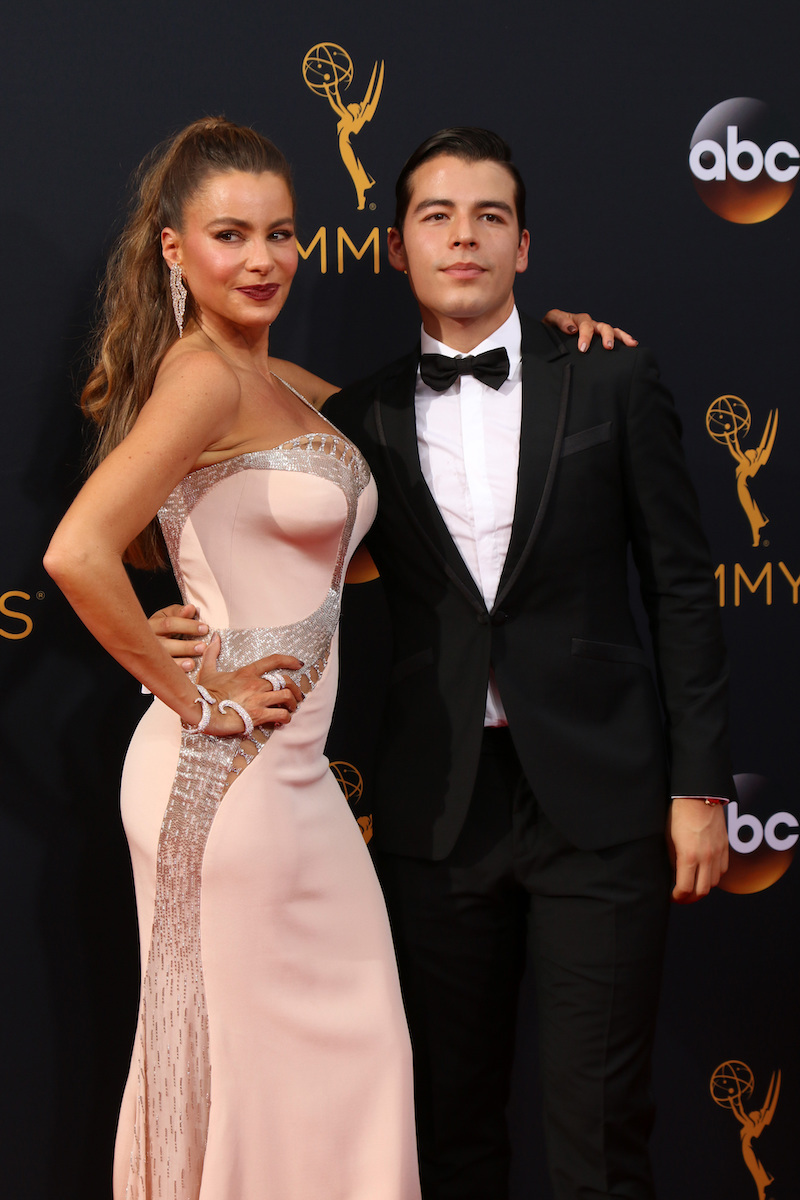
193, 407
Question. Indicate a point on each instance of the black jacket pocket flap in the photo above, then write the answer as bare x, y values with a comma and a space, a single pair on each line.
609, 651
586, 438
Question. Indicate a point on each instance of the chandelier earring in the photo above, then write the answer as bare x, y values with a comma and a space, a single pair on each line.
179, 293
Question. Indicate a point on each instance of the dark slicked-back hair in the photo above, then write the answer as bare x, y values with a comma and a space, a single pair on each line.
466, 142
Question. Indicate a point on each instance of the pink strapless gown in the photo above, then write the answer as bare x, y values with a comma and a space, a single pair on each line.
271, 1059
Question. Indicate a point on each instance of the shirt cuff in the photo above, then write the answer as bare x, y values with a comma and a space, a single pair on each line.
706, 799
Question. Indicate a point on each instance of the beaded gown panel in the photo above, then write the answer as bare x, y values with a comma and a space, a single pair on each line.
271, 1059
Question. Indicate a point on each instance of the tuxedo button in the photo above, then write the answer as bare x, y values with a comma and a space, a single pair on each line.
499, 617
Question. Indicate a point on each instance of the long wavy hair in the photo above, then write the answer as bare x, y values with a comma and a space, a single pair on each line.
137, 326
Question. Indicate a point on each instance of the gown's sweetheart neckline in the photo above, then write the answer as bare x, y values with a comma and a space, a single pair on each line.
300, 437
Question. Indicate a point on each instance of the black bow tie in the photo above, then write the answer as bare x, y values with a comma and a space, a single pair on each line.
440, 372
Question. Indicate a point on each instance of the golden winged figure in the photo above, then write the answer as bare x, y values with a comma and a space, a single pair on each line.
726, 418
752, 1124
352, 117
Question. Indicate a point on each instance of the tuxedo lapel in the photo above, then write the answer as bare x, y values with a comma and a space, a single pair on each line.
545, 393
396, 426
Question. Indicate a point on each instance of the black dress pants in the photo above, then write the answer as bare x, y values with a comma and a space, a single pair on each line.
593, 925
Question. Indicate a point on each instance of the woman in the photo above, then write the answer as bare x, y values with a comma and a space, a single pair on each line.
271, 1056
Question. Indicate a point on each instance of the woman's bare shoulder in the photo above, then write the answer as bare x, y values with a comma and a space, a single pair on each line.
196, 390
197, 375
200, 365
314, 389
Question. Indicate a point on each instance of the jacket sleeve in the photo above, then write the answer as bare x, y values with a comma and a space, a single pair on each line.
678, 588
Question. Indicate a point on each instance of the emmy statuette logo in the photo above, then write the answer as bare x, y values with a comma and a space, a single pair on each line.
732, 1084
727, 420
351, 782
328, 71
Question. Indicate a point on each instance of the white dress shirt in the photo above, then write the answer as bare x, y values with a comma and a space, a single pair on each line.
468, 438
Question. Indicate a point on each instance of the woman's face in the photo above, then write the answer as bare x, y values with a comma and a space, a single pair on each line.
237, 248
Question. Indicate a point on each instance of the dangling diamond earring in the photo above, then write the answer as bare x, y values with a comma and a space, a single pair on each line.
178, 289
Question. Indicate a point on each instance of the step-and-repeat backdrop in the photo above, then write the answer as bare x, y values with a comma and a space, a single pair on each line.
660, 147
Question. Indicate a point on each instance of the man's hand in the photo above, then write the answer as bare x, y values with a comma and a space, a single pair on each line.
697, 840
248, 687
180, 633
586, 327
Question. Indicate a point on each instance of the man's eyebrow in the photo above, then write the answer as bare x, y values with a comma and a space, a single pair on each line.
502, 205
433, 203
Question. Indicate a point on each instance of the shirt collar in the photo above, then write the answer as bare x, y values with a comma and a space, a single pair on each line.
509, 335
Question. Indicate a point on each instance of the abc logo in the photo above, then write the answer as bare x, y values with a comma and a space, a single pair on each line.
743, 169
762, 840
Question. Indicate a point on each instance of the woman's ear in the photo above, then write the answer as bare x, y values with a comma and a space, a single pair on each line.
170, 245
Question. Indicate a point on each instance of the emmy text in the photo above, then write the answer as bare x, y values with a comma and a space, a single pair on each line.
11, 617
320, 243
734, 583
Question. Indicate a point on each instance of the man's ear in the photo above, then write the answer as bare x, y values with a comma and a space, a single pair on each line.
397, 251
522, 251
170, 245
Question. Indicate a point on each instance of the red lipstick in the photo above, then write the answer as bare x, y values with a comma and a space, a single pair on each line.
261, 291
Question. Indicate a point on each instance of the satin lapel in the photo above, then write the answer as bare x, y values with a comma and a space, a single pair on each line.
546, 375
396, 426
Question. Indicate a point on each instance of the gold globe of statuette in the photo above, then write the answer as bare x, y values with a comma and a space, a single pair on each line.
732, 1081
327, 65
727, 417
350, 781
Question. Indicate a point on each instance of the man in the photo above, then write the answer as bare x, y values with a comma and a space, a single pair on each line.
524, 772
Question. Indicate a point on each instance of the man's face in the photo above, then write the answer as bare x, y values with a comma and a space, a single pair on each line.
462, 248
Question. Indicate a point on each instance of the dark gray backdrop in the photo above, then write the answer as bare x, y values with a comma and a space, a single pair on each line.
599, 102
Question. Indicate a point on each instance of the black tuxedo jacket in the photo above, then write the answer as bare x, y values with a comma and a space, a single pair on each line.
603, 743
